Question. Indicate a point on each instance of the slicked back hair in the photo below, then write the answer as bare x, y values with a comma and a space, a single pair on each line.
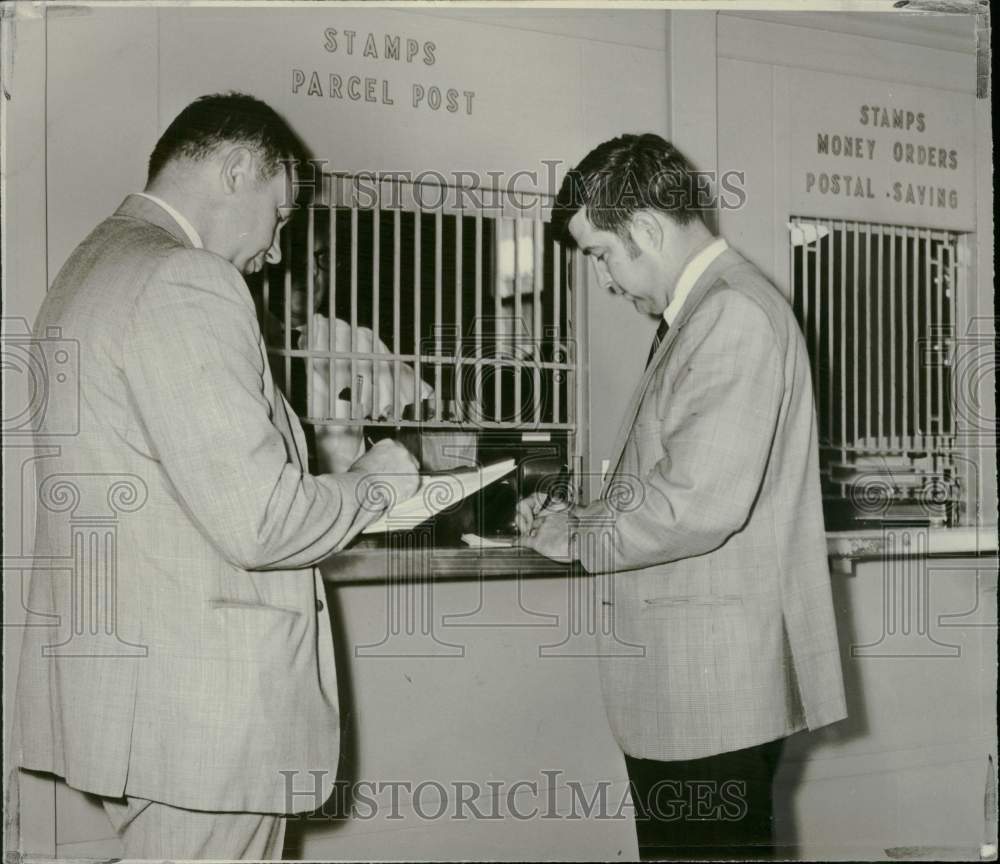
624, 175
228, 118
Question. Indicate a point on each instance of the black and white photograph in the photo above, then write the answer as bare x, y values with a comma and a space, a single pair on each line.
498, 431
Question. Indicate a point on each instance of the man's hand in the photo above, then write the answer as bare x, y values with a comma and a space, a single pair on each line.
544, 526
535, 507
391, 470
528, 509
550, 536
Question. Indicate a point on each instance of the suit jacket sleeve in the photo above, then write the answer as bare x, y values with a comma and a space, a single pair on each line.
193, 362
718, 398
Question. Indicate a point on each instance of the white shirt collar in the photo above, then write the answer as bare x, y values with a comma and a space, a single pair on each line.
179, 218
691, 274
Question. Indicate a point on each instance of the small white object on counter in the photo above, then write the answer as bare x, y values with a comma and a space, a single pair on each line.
475, 540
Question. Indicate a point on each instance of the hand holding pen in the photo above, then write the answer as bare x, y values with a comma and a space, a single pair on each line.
543, 521
533, 510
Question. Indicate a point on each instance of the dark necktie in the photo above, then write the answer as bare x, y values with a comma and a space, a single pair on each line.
661, 332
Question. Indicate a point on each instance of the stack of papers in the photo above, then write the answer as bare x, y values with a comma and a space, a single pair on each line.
438, 492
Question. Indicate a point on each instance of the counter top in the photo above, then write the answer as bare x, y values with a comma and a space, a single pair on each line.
370, 562
911, 541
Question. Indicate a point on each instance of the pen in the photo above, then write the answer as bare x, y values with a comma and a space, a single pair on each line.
551, 501
550, 496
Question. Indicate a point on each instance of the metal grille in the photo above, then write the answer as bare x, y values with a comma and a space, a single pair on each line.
402, 304
876, 304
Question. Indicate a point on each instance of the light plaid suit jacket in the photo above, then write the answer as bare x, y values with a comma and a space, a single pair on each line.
718, 628
182, 656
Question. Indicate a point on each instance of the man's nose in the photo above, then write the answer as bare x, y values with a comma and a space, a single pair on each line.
606, 282
274, 253
603, 275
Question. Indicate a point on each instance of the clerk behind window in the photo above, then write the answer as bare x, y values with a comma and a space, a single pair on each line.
208, 691
710, 522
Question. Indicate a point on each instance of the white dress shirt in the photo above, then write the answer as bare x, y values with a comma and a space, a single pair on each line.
691, 274
179, 218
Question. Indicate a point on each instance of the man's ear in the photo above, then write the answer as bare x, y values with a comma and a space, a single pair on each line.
237, 169
646, 231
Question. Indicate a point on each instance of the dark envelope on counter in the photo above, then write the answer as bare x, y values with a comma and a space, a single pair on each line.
437, 492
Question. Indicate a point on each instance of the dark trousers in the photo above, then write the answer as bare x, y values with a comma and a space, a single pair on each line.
718, 807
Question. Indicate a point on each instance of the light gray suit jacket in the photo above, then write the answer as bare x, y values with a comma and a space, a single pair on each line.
177, 647
718, 626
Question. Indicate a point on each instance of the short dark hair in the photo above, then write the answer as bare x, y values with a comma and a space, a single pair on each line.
221, 118
623, 175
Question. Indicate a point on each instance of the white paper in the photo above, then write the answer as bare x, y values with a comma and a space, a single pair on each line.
438, 492
474, 540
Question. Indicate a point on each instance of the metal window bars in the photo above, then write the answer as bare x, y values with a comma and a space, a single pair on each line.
876, 305
409, 304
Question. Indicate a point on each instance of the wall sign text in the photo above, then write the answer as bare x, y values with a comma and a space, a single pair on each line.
358, 74
879, 152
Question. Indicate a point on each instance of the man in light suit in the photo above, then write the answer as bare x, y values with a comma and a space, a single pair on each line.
709, 527
182, 668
